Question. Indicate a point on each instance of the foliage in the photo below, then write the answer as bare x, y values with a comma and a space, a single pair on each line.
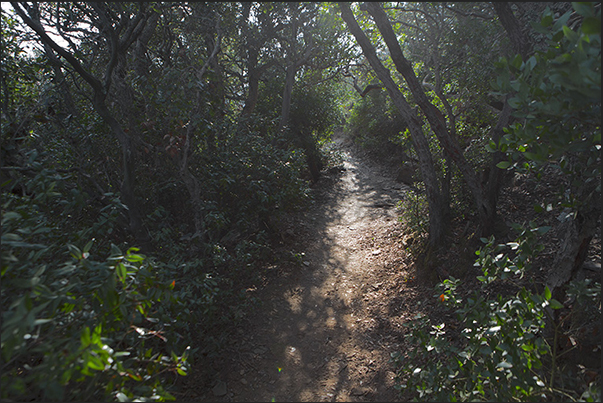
558, 104
375, 123
81, 322
414, 212
247, 179
501, 352
85, 320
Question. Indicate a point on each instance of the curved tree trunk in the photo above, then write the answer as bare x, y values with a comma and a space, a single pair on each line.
578, 232
433, 115
254, 82
494, 180
127, 186
437, 211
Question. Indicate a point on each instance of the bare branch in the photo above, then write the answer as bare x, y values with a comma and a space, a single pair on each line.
199, 74
414, 10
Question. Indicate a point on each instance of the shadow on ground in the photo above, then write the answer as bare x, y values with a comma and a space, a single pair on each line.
326, 326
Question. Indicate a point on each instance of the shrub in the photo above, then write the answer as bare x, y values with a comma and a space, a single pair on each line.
498, 350
82, 322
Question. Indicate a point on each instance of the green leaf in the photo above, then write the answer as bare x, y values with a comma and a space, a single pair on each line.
88, 246
531, 63
585, 9
555, 304
516, 62
547, 293
504, 364
134, 258
96, 363
96, 335
121, 397
503, 165
121, 271
75, 251
569, 34
547, 21
543, 230
85, 337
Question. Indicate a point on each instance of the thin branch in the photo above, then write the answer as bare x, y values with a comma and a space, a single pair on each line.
37, 28
106, 27
414, 10
199, 74
469, 14
406, 24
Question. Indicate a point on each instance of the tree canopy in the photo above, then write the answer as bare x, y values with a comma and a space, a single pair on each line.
149, 151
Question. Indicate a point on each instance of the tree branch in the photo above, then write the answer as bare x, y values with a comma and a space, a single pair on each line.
94, 82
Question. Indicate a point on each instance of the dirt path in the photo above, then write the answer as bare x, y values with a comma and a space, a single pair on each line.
329, 323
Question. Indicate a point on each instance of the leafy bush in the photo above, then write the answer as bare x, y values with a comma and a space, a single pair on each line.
557, 100
247, 180
414, 213
502, 352
501, 348
498, 350
83, 322
374, 123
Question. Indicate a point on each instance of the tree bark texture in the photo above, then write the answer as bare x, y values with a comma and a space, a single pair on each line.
519, 40
578, 232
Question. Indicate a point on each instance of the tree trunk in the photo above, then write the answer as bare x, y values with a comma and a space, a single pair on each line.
287, 93
578, 232
519, 40
192, 185
437, 215
433, 115
254, 82
100, 91
141, 61
495, 175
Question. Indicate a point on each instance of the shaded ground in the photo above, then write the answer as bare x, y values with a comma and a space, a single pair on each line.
329, 322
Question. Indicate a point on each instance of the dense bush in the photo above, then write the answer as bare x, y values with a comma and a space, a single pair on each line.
375, 123
495, 349
504, 347
82, 318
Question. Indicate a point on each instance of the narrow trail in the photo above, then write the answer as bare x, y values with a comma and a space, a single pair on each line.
327, 327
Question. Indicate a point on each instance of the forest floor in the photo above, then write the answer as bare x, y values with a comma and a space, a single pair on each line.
329, 319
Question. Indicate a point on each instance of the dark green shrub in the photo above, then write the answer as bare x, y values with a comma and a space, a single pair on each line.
498, 351
86, 322
375, 124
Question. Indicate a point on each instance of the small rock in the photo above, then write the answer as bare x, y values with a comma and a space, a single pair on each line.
376, 251
220, 389
356, 391
260, 350
306, 263
244, 381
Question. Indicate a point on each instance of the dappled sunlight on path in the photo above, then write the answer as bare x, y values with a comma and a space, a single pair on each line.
320, 334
